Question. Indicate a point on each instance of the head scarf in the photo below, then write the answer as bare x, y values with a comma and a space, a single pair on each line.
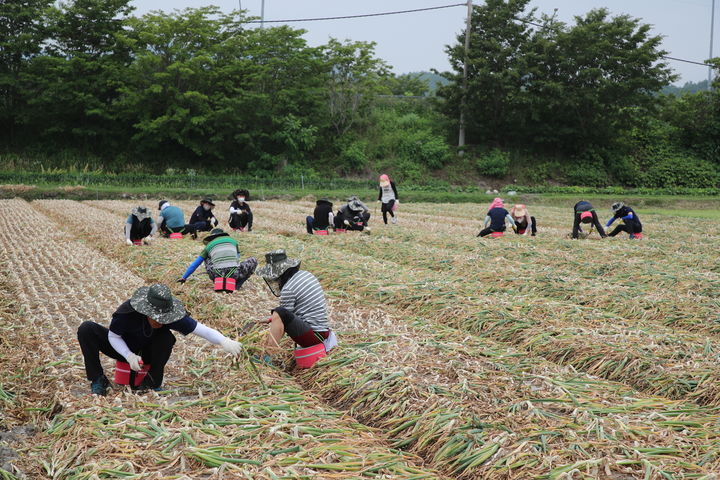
497, 203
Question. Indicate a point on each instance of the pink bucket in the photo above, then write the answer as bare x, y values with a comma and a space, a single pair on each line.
394, 207
122, 373
223, 284
176, 235
497, 234
137, 242
340, 230
638, 236
307, 357
320, 232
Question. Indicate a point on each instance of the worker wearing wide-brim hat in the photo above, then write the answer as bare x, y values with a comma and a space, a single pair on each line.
203, 218
140, 331
222, 259
524, 223
302, 312
354, 215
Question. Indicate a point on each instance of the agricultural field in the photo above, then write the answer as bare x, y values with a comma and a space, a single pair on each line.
513, 358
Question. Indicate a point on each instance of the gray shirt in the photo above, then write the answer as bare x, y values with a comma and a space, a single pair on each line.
303, 296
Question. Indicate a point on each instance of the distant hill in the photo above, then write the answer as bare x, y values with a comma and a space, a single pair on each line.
689, 87
432, 79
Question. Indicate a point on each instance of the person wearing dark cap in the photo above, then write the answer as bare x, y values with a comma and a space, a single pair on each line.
302, 313
222, 259
630, 221
203, 219
322, 216
140, 226
241, 217
354, 215
585, 213
140, 331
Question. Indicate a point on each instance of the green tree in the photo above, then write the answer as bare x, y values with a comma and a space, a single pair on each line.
355, 77
23, 30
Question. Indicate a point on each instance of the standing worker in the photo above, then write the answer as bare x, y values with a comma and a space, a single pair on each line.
203, 218
388, 197
322, 216
140, 226
631, 222
524, 223
221, 256
140, 332
302, 312
584, 212
241, 216
496, 218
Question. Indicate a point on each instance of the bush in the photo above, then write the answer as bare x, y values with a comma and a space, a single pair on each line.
677, 171
493, 164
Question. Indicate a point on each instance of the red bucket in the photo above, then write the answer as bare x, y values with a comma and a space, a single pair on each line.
340, 230
307, 357
122, 373
521, 231
320, 232
638, 236
137, 242
223, 284
176, 235
497, 234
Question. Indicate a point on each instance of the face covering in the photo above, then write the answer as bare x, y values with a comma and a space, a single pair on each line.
274, 286
240, 199
206, 207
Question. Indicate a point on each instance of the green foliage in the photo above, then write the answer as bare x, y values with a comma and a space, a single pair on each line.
494, 163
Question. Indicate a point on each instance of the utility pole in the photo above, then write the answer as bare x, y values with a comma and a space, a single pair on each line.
712, 39
262, 14
463, 101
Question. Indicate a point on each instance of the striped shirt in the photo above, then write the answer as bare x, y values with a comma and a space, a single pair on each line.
303, 296
222, 252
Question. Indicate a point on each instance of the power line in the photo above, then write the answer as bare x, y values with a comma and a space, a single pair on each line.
381, 14
440, 7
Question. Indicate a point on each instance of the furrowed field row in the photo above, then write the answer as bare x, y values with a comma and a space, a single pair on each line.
511, 360
656, 363
277, 432
536, 269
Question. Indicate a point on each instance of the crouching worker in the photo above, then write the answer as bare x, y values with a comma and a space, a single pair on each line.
354, 215
302, 313
222, 259
495, 219
140, 331
203, 218
322, 217
241, 217
140, 227
631, 222
172, 220
524, 223
585, 213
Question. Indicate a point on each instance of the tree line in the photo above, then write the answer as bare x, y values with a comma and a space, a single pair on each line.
581, 103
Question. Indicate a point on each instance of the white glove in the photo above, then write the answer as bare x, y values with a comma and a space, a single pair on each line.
148, 240
347, 222
231, 346
128, 241
134, 361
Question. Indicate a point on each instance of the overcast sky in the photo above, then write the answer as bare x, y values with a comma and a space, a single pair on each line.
416, 41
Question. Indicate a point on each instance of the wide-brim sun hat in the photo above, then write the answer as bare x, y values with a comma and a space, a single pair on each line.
215, 233
158, 303
617, 206
141, 213
520, 210
208, 201
277, 263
